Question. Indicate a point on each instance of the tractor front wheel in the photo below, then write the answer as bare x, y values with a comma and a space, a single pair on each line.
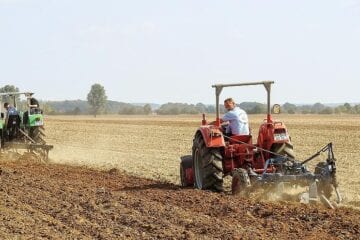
207, 166
185, 165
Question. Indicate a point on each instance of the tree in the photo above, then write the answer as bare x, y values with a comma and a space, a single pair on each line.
147, 109
347, 107
130, 110
257, 109
327, 110
253, 107
177, 108
291, 111
357, 108
76, 111
211, 109
317, 107
201, 108
289, 108
47, 108
9, 88
97, 98
340, 109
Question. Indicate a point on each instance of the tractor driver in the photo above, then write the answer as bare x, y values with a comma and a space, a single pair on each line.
237, 118
10, 109
34, 108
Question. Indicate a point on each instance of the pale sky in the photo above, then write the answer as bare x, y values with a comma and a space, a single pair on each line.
174, 50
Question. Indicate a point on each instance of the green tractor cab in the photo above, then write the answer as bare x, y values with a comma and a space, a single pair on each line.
22, 128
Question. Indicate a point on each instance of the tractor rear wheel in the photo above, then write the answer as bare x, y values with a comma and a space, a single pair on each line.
240, 182
37, 134
207, 166
284, 149
324, 186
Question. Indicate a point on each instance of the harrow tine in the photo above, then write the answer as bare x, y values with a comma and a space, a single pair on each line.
338, 196
313, 192
326, 202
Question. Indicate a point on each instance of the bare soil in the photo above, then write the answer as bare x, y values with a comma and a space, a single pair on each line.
117, 177
52, 201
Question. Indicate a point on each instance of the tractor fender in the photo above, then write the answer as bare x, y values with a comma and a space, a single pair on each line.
212, 135
273, 135
267, 131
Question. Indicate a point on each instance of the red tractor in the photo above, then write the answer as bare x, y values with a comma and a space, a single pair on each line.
268, 162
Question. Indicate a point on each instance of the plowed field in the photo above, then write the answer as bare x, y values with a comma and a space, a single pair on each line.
131, 189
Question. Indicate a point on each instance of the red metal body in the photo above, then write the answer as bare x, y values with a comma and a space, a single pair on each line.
239, 151
272, 134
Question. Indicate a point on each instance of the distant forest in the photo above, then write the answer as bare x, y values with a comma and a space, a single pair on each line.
81, 107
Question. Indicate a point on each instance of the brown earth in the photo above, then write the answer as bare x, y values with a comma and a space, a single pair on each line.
52, 201
135, 193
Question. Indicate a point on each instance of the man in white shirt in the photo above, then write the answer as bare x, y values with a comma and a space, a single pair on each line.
237, 118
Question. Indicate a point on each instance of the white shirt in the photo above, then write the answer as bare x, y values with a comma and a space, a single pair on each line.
238, 121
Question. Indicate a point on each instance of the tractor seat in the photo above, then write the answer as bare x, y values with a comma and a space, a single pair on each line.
241, 139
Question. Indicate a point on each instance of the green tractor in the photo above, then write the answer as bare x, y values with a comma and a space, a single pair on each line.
22, 129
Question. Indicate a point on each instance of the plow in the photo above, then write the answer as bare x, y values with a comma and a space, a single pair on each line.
269, 164
23, 130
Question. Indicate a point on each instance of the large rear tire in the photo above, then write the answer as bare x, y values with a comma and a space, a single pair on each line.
37, 134
207, 166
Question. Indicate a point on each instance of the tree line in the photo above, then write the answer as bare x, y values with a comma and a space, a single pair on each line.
259, 108
97, 103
